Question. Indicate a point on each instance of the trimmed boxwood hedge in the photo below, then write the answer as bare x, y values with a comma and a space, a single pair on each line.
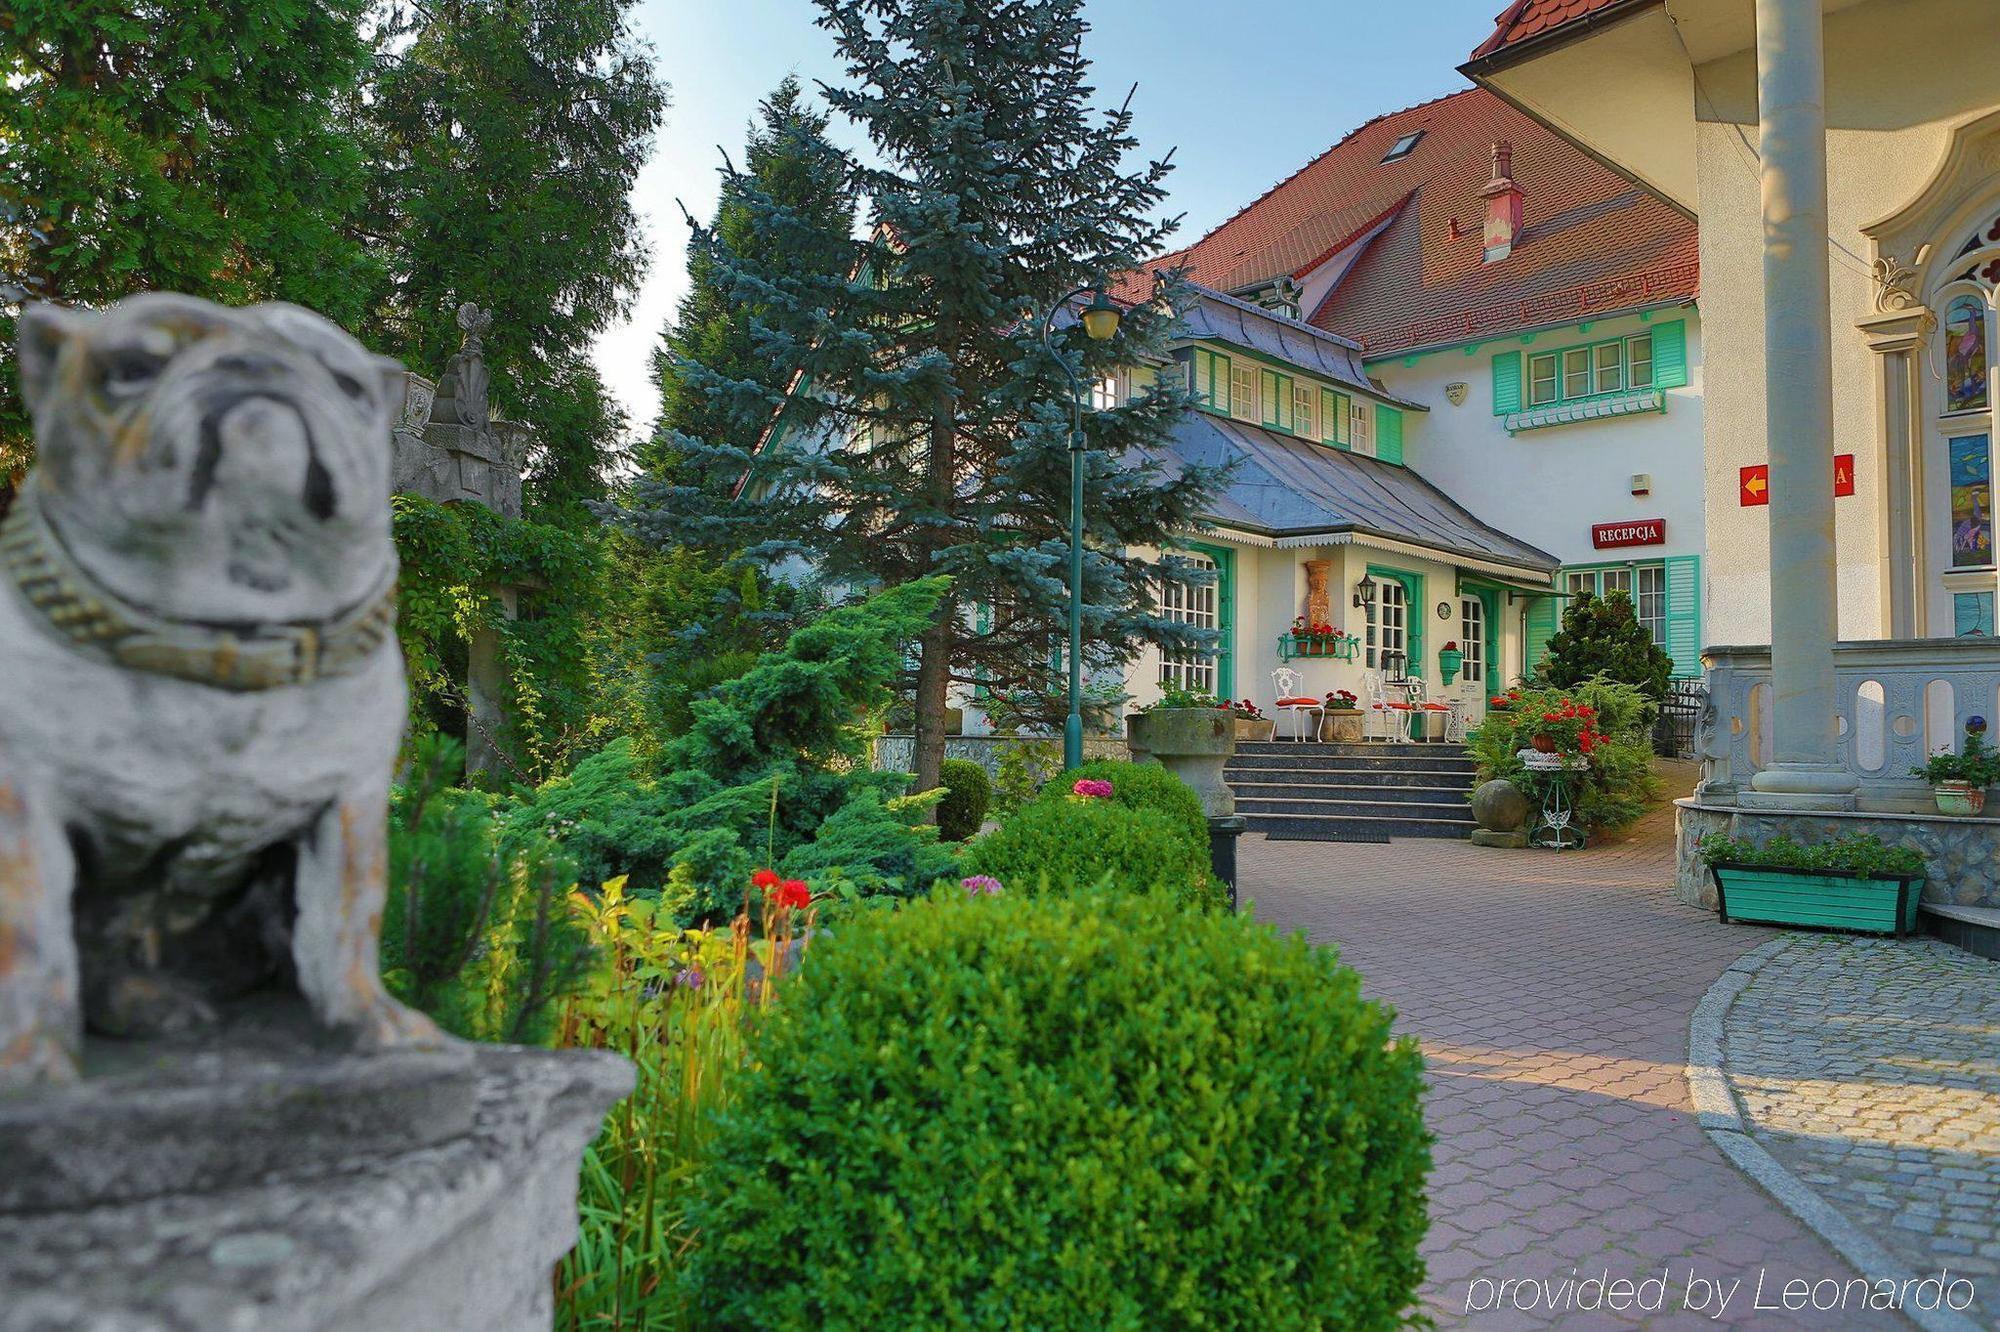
1141, 786
1062, 845
1079, 1112
967, 792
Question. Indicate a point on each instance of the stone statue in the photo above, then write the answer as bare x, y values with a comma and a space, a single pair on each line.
199, 602
212, 1114
461, 394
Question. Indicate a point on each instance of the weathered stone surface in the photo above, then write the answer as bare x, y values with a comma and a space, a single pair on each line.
402, 1227
448, 447
1511, 841
1192, 743
1500, 807
1962, 855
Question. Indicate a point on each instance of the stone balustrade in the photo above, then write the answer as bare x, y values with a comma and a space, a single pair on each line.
1898, 701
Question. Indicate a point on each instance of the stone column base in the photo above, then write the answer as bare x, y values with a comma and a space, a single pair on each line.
233, 1190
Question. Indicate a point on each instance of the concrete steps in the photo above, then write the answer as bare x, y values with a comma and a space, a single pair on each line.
1352, 792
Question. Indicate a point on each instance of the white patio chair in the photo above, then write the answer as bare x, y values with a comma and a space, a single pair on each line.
1285, 681
1386, 712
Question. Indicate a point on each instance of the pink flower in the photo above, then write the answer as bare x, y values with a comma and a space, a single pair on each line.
1090, 788
980, 884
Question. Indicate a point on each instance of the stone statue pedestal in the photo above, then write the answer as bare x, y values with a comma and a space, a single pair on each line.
255, 1182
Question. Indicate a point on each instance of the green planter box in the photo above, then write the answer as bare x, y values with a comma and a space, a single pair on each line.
1829, 899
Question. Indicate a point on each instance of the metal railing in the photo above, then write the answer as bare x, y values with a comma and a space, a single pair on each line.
1897, 702
1680, 716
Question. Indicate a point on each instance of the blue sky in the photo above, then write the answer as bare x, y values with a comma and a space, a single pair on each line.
1244, 91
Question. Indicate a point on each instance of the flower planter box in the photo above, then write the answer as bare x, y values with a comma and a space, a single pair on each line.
1828, 899
1342, 726
1261, 729
1292, 646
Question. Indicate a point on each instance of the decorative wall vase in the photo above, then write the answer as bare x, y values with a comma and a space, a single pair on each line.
1449, 662
1191, 743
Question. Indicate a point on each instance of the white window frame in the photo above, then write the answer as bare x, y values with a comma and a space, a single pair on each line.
1576, 378
1105, 392
1649, 603
1361, 426
1634, 375
1536, 396
1243, 391
1388, 622
1197, 604
1472, 639
1305, 410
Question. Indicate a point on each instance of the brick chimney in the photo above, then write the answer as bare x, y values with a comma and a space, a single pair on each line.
1503, 205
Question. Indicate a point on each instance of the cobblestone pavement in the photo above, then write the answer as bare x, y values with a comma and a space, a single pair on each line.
1871, 1069
1552, 994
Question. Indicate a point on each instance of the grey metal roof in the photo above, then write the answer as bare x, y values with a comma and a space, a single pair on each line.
1222, 318
1283, 486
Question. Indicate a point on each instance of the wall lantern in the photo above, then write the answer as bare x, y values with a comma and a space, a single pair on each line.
1364, 592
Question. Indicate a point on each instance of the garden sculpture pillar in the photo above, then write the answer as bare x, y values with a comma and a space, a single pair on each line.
1319, 600
212, 1112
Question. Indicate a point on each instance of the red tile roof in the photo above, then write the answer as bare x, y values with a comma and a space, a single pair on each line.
1592, 241
1531, 18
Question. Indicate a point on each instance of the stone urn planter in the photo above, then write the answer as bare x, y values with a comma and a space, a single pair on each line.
1191, 743
1959, 799
1260, 728
1342, 726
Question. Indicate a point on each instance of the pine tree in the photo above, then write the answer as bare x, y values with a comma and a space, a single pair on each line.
930, 434
508, 134
207, 148
1603, 636
792, 164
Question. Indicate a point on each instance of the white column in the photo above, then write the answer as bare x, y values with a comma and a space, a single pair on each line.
1798, 389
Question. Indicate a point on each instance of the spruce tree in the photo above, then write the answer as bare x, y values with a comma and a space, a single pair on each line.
507, 135
929, 430
207, 148
1603, 636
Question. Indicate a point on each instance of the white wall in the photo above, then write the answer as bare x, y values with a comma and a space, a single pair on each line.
1548, 486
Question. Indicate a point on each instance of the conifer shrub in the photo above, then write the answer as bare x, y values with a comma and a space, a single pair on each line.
1141, 786
967, 792
1077, 1112
1602, 636
1069, 843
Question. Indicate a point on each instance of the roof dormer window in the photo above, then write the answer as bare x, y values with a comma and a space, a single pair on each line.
1403, 147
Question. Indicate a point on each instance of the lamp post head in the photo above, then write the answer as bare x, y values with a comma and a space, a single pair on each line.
1101, 317
1364, 591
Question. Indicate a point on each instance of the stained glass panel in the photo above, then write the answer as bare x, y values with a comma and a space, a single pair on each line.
1965, 355
1971, 503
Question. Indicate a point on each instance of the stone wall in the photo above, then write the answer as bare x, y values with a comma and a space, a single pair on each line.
897, 753
1962, 855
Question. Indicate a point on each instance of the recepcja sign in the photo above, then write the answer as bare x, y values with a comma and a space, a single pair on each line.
1637, 532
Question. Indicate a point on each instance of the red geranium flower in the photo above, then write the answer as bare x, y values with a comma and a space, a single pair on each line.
767, 879
794, 893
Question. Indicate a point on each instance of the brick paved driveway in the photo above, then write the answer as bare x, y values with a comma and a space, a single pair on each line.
1552, 994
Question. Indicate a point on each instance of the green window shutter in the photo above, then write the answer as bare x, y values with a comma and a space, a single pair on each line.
1333, 418
1225, 619
1684, 613
1388, 433
1542, 614
1670, 355
1506, 383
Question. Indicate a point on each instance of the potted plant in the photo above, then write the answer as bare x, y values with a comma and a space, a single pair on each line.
1341, 721
1449, 661
1851, 883
1186, 733
1569, 729
1959, 781
1251, 723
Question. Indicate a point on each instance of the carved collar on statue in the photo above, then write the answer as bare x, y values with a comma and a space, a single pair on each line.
78, 608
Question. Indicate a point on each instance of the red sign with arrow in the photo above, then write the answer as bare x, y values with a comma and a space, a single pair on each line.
1754, 482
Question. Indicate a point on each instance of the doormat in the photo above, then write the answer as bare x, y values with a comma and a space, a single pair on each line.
1327, 835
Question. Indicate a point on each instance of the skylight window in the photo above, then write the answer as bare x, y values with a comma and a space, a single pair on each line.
1402, 147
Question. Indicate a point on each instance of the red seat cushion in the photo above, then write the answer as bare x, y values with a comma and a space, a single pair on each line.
1396, 707
1300, 702
1437, 707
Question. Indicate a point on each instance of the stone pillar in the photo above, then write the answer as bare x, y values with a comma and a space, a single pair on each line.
1897, 336
1798, 388
486, 696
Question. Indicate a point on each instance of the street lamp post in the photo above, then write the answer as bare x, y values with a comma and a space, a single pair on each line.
1100, 323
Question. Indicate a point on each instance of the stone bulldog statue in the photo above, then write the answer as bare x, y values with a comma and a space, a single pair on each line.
205, 691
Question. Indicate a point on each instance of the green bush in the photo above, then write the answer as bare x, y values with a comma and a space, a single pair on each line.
1603, 637
967, 792
1062, 845
1141, 786
1078, 1113
1863, 853
1619, 783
